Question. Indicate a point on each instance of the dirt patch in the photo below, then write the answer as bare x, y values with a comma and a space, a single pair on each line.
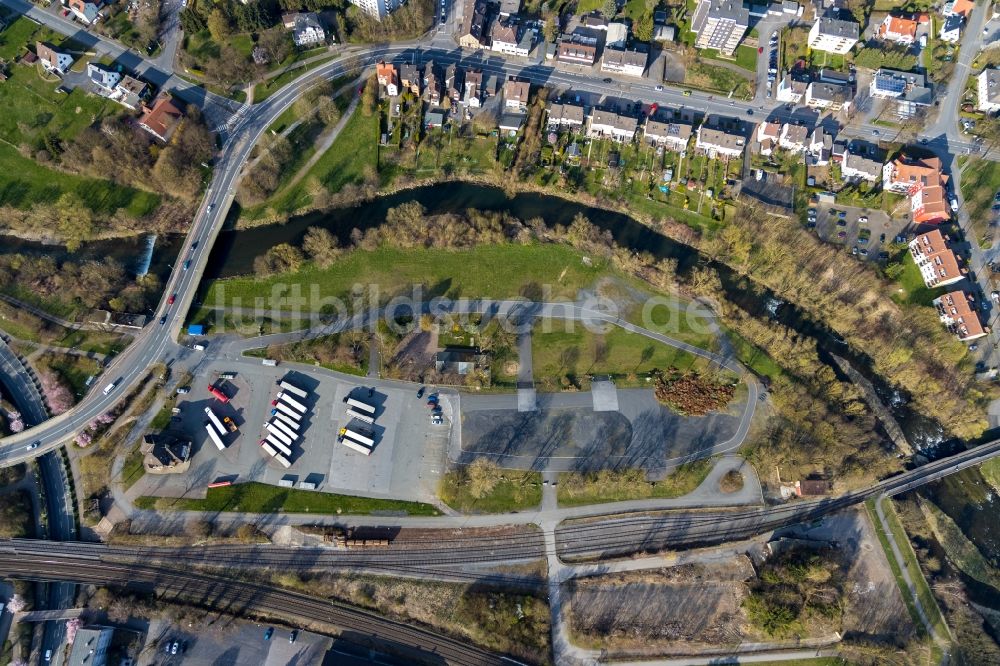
731, 482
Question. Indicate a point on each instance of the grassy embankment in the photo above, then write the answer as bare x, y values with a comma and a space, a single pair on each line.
262, 498
608, 486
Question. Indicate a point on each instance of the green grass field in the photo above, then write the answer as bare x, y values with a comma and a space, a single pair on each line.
980, 181
485, 271
914, 291
264, 90
262, 498
32, 107
617, 353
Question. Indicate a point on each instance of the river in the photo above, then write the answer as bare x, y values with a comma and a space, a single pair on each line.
132, 251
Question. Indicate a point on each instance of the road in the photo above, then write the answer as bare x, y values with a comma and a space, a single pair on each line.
242, 598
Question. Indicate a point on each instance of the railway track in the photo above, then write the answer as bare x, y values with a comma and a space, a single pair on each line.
242, 598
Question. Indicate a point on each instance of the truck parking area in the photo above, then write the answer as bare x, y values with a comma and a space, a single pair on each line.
405, 459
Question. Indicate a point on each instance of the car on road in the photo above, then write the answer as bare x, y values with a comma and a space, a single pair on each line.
187, 264
875, 132
295, 632
173, 297
420, 392
658, 88
749, 112
268, 633
33, 446
687, 93
760, 49
608, 80
211, 207
111, 387
48, 656
163, 320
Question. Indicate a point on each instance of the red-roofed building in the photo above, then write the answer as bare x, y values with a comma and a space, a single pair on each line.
898, 29
937, 263
925, 184
386, 75
957, 311
162, 118
961, 8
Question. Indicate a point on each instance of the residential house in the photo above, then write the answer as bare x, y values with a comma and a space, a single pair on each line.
629, 63
162, 118
86, 12
458, 360
793, 138
957, 311
509, 7
961, 8
431, 84
720, 24
453, 84
503, 38
307, 30
387, 77
767, 137
827, 75
409, 77
511, 121
103, 79
833, 35
473, 88
951, 29
909, 89
565, 115
473, 32
898, 29
819, 148
665, 33
515, 94
791, 90
612, 125
574, 52
856, 166
90, 646
672, 136
718, 143
813, 487
52, 60
163, 454
829, 96
924, 182
130, 92
617, 36
988, 87
937, 263
434, 118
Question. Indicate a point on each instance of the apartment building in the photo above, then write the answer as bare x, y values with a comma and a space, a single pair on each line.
720, 24
629, 63
957, 311
378, 9
937, 263
988, 88
833, 35
924, 182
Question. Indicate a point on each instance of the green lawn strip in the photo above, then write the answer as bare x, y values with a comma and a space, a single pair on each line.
500, 271
517, 491
132, 470
752, 357
927, 600
914, 290
262, 498
75, 370
980, 182
576, 489
578, 352
897, 573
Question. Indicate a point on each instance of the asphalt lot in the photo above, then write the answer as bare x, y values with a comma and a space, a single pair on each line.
849, 230
407, 457
226, 642
567, 434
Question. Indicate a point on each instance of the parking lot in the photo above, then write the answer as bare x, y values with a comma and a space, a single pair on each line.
405, 462
223, 641
863, 232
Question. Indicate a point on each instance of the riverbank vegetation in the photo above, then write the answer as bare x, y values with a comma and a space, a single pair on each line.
482, 487
576, 489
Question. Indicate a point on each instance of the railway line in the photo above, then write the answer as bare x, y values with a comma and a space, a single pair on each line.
243, 598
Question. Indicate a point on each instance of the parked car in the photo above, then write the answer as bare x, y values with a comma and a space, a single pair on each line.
268, 633
295, 632
863, 219
842, 234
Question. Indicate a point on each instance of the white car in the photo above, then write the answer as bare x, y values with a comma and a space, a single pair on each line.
954, 205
